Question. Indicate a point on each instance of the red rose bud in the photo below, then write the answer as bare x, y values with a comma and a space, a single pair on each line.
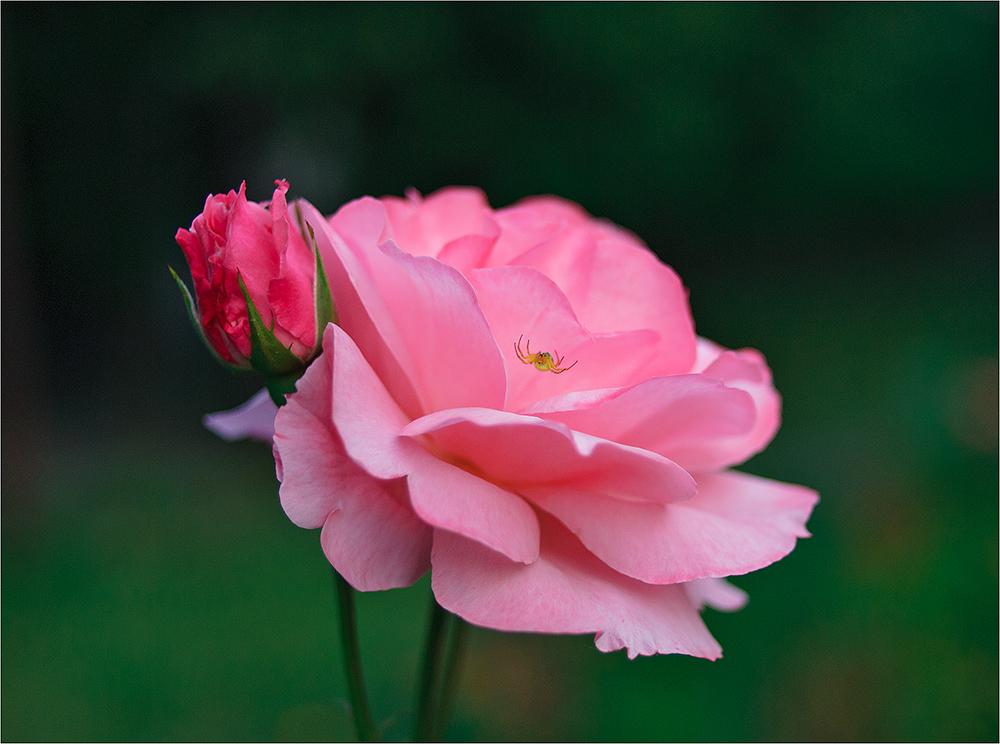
260, 292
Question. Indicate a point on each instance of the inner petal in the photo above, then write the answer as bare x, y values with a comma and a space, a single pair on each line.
525, 308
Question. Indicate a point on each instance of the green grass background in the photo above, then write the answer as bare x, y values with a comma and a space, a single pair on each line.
824, 179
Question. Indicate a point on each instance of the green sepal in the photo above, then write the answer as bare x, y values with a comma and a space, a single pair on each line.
326, 311
192, 312
267, 353
278, 386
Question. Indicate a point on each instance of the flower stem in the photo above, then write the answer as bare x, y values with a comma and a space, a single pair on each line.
452, 664
352, 661
425, 724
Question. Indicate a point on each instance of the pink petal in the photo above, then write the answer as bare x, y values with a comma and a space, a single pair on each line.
374, 540
295, 312
567, 590
746, 370
426, 226
250, 252
467, 253
531, 222
366, 416
443, 495
735, 524
525, 452
451, 498
718, 594
694, 420
291, 294
298, 259
426, 314
362, 222
707, 352
444, 340
613, 280
370, 534
252, 420
521, 304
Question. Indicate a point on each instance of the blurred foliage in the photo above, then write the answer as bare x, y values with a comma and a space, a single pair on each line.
824, 179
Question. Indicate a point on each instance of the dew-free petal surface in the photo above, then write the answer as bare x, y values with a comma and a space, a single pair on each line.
736, 523
525, 452
251, 420
370, 534
567, 590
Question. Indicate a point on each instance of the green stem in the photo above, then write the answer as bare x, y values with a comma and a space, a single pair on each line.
452, 664
352, 661
428, 694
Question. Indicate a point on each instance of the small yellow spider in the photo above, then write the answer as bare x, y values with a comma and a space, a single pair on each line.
542, 360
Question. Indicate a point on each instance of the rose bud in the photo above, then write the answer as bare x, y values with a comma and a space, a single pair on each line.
260, 292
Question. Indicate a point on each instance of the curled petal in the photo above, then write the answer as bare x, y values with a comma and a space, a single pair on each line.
359, 225
526, 453
365, 414
746, 370
441, 334
372, 538
693, 420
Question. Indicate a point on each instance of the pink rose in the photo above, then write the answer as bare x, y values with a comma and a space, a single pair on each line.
516, 400
262, 245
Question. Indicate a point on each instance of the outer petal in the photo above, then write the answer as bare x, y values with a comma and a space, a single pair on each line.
204, 247
567, 590
525, 452
707, 352
252, 420
694, 420
370, 534
366, 416
736, 523
442, 494
373, 539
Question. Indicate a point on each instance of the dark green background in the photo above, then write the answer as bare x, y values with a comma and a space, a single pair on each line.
823, 178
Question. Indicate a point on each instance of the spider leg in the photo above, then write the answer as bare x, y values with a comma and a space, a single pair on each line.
517, 348
560, 371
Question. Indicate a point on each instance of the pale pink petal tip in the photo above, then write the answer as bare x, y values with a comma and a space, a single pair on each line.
252, 420
718, 594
